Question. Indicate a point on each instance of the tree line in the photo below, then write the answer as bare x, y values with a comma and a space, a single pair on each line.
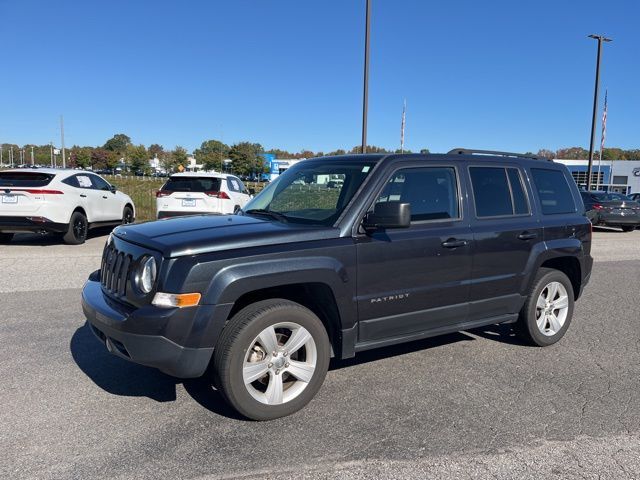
245, 157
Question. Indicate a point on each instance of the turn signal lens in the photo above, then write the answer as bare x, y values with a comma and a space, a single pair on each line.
179, 300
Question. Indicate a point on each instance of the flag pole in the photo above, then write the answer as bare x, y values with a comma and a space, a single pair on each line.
404, 110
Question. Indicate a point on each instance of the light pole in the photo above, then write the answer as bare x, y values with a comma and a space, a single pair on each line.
365, 96
32, 161
600, 39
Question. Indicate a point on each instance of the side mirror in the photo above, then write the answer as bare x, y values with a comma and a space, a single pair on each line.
113, 188
388, 215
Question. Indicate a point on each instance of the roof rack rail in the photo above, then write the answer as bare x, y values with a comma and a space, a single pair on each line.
469, 151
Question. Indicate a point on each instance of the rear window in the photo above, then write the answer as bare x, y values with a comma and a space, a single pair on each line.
25, 179
553, 190
192, 184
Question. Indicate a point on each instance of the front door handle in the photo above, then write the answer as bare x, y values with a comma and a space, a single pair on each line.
104, 196
527, 236
83, 195
454, 243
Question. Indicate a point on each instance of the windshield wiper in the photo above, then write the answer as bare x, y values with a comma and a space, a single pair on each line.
261, 211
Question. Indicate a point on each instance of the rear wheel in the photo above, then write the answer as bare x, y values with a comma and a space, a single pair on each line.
5, 237
127, 215
547, 312
271, 359
628, 228
78, 228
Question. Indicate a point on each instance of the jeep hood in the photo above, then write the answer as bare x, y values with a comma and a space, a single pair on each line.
190, 235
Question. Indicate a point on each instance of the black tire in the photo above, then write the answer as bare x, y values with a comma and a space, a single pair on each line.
527, 324
628, 228
78, 228
238, 337
127, 215
6, 237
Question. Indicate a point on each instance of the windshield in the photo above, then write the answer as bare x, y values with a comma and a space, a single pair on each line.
192, 184
313, 191
24, 179
611, 197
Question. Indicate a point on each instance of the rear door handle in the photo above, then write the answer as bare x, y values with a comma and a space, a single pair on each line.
527, 236
83, 195
454, 243
104, 196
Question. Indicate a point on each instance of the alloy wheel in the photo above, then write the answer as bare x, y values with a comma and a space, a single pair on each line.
552, 308
279, 363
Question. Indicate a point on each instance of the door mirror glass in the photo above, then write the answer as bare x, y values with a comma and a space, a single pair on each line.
388, 215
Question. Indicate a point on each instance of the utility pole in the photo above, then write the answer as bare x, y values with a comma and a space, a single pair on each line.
51, 144
32, 160
64, 162
11, 156
1, 163
365, 96
600, 39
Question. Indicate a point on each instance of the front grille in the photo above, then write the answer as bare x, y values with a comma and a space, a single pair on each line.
115, 271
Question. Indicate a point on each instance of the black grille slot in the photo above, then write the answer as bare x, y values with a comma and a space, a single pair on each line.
114, 272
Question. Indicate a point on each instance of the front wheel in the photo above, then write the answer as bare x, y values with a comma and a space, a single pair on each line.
127, 215
77, 231
547, 312
271, 359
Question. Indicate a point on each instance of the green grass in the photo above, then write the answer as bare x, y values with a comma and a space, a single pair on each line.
142, 191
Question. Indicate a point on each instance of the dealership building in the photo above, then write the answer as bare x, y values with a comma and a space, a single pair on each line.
622, 176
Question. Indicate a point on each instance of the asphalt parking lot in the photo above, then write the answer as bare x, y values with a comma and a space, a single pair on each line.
469, 405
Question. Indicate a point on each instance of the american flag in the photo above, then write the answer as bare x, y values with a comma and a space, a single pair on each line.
604, 122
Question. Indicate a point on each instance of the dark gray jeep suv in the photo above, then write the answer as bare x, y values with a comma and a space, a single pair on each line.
340, 255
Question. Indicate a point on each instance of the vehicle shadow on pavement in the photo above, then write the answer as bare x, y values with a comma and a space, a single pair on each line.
120, 377
502, 332
117, 376
399, 349
37, 240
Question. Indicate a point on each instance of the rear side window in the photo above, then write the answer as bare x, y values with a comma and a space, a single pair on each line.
498, 192
553, 190
25, 179
233, 184
192, 184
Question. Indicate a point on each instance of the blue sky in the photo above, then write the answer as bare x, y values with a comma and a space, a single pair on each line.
505, 75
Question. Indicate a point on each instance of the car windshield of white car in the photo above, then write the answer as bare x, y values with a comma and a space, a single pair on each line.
192, 184
25, 179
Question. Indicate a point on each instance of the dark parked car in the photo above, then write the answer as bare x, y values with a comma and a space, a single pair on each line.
612, 210
634, 196
407, 247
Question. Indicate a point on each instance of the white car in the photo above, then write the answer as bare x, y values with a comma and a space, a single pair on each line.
192, 193
67, 202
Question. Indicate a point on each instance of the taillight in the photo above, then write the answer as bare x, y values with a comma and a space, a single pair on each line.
162, 193
37, 192
597, 206
222, 195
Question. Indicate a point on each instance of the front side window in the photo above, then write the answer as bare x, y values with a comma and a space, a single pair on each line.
498, 192
553, 190
312, 191
432, 192
99, 183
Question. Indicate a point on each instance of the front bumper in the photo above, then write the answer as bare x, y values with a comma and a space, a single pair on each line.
24, 224
177, 341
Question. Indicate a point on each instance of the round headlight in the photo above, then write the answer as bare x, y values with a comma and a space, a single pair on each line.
146, 274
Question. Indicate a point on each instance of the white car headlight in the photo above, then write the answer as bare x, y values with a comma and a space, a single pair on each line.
146, 274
